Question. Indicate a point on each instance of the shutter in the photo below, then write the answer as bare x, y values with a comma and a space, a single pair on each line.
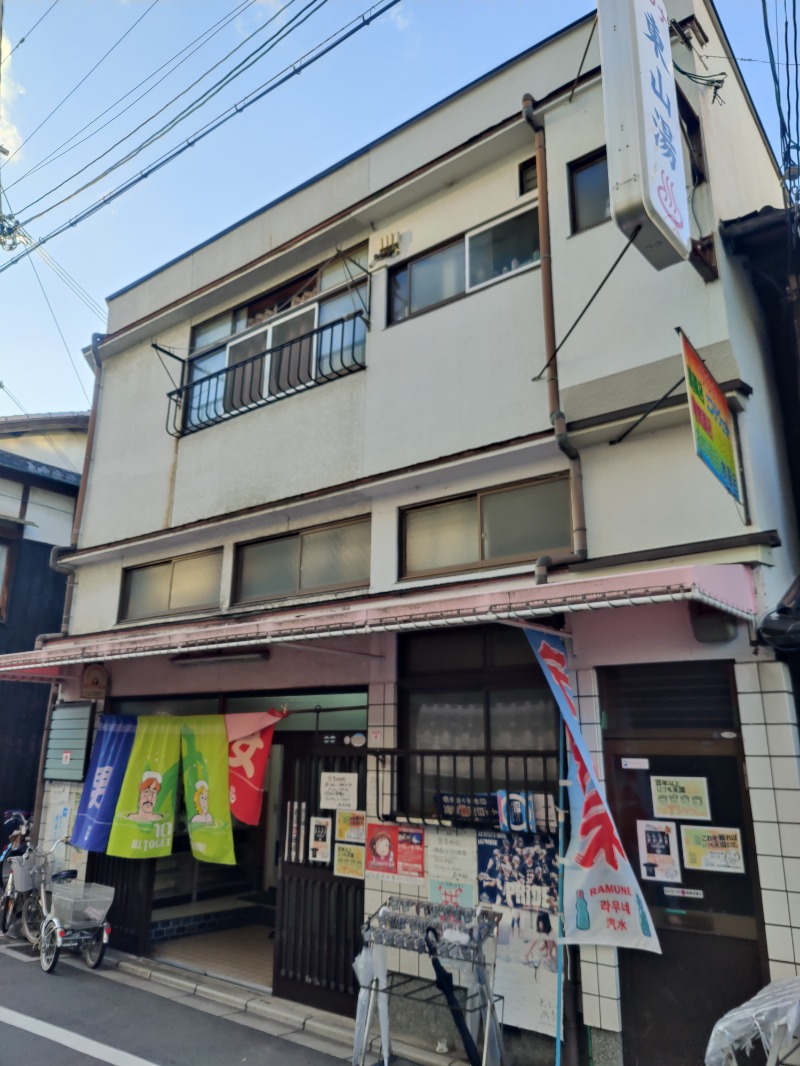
665, 697
67, 742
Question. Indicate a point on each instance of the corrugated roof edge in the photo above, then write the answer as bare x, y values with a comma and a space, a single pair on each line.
355, 155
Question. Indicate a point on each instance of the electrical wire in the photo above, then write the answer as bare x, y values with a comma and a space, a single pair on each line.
330, 44
86, 76
60, 332
208, 34
46, 436
25, 36
294, 23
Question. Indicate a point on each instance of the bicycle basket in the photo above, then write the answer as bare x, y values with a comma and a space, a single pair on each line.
28, 871
81, 906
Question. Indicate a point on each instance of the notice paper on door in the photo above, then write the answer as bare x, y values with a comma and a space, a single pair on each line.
658, 851
707, 847
681, 797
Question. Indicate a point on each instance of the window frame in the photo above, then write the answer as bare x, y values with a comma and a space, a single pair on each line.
523, 168
482, 563
576, 166
530, 206
237, 601
168, 611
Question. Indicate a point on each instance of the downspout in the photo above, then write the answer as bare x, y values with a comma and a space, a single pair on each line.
557, 417
59, 551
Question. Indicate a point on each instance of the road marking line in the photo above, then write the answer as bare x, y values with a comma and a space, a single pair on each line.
111, 1055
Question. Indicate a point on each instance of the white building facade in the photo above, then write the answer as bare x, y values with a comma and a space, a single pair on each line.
356, 494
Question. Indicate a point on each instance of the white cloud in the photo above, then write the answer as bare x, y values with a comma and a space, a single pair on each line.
10, 137
400, 21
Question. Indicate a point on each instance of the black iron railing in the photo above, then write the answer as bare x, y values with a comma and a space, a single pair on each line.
460, 787
326, 353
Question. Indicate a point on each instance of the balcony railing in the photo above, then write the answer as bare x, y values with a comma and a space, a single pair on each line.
460, 787
327, 353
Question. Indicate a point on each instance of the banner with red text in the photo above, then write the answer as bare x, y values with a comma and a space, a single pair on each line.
602, 900
249, 743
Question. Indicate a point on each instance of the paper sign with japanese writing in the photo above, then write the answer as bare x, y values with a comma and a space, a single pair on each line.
658, 852
451, 854
710, 848
712, 424
338, 791
348, 861
351, 825
681, 797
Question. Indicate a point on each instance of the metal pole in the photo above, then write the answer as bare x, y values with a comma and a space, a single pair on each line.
560, 972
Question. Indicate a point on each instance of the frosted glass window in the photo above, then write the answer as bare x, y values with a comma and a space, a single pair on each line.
437, 277
341, 271
216, 329
442, 536
147, 591
336, 556
520, 521
175, 585
268, 568
503, 248
195, 581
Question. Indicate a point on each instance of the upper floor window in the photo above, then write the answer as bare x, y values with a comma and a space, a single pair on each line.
590, 202
494, 526
308, 330
332, 557
464, 264
190, 582
527, 177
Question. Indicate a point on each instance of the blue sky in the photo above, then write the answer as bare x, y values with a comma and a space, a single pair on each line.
406, 60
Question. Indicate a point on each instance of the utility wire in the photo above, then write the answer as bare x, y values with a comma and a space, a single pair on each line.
25, 36
311, 57
60, 332
239, 69
86, 76
208, 34
46, 436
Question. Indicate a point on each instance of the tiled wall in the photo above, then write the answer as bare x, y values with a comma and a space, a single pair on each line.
772, 760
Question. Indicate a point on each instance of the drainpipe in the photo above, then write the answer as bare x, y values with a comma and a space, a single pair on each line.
58, 552
557, 417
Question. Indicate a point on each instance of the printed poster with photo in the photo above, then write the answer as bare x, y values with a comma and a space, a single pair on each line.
518, 874
395, 852
352, 826
319, 841
710, 848
658, 851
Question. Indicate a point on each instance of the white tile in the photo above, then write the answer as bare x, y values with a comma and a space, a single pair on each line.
588, 953
609, 1014
588, 710
754, 739
587, 683
794, 908
608, 981
762, 805
783, 740
770, 872
607, 956
751, 708
796, 939
779, 970
786, 772
592, 736
591, 1010
778, 708
776, 907
768, 838
759, 773
589, 980
787, 804
747, 677
790, 840
774, 677
779, 943
792, 871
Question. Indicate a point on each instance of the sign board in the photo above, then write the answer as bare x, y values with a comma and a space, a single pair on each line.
681, 797
646, 174
711, 848
712, 423
338, 791
658, 851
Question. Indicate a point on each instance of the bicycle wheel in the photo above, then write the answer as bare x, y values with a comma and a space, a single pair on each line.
49, 948
8, 911
94, 951
32, 918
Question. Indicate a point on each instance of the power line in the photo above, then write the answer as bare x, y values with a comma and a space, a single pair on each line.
86, 76
311, 57
208, 34
239, 69
25, 36
60, 333
46, 436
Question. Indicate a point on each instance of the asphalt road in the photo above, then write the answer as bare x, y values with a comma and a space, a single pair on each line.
75, 1017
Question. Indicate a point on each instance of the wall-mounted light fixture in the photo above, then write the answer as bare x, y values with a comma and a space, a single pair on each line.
206, 657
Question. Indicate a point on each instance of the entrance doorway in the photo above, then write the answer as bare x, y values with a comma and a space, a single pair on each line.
680, 801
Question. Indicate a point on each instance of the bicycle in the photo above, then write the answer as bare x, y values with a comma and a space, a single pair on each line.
34, 879
76, 919
18, 847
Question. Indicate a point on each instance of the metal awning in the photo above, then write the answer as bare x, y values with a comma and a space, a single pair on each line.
727, 587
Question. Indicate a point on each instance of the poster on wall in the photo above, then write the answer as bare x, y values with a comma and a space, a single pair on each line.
450, 855
338, 791
319, 842
681, 797
658, 851
709, 848
351, 825
395, 852
518, 874
349, 861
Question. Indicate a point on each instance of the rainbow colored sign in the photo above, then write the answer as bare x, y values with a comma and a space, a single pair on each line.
712, 424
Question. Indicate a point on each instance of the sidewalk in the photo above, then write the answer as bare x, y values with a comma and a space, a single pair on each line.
322, 1030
